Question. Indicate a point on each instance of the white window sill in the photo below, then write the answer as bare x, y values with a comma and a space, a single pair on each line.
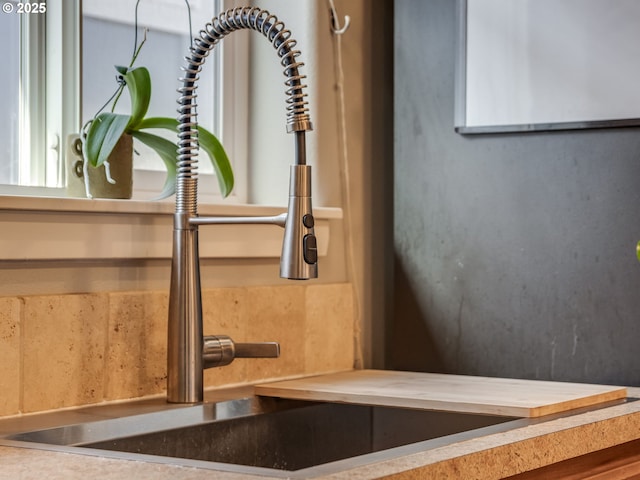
52, 228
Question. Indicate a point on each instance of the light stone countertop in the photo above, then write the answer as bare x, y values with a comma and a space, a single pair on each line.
490, 457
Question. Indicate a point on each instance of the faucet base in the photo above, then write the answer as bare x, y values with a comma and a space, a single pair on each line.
184, 342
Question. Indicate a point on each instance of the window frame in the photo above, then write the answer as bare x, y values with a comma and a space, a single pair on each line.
32, 102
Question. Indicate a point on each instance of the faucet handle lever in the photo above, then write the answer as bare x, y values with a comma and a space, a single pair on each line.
220, 350
258, 350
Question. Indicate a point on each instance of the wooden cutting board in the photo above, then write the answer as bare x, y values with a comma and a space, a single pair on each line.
457, 393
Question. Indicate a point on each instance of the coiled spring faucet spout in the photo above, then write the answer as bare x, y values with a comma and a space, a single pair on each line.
189, 351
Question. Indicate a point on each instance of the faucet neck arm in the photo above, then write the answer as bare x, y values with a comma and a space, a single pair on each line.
298, 120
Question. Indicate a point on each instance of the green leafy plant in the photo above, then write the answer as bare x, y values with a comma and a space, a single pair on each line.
101, 134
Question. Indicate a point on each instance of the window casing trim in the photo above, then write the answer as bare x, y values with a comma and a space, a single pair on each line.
44, 229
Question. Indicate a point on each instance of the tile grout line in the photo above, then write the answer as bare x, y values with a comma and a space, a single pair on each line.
21, 332
105, 331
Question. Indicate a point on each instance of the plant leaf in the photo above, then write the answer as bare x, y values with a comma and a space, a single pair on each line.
121, 70
209, 143
103, 134
168, 153
139, 84
224, 173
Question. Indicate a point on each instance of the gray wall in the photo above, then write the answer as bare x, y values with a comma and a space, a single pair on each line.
515, 253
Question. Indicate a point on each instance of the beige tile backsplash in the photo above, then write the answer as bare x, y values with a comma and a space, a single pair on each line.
329, 328
10, 361
271, 310
224, 313
63, 347
68, 350
136, 344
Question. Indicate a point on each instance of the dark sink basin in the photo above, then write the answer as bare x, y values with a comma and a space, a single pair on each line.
300, 437
270, 433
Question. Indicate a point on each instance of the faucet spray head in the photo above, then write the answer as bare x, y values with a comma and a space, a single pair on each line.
299, 259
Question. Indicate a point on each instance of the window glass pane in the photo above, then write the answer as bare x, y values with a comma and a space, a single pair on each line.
9, 97
162, 54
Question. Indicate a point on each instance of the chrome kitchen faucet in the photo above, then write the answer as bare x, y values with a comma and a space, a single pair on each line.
189, 351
